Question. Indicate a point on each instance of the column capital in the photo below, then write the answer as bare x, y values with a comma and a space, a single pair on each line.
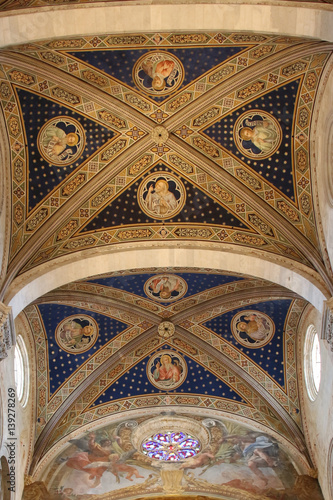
7, 337
327, 324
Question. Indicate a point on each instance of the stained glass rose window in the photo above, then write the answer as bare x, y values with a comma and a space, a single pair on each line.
171, 446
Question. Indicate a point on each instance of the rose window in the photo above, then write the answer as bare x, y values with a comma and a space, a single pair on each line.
171, 446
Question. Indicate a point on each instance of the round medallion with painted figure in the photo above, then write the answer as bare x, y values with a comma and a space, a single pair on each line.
166, 370
252, 328
165, 287
257, 134
161, 195
77, 333
61, 141
158, 73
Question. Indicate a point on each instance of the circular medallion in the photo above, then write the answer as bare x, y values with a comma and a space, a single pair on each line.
257, 134
158, 73
166, 370
252, 328
76, 333
166, 329
161, 195
165, 287
61, 141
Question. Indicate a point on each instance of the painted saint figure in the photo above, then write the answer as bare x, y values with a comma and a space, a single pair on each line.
161, 195
57, 143
164, 286
252, 328
77, 333
258, 134
263, 135
255, 326
166, 371
158, 73
160, 200
61, 140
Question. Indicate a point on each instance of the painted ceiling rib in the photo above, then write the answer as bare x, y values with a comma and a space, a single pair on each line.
71, 296
286, 228
43, 69
260, 294
56, 220
245, 76
46, 435
43, 441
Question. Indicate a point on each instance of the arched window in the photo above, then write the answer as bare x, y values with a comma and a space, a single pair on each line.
312, 362
21, 371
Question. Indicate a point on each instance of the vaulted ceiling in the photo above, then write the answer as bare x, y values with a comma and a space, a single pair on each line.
164, 139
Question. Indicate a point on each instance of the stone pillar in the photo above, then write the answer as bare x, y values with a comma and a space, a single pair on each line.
327, 325
7, 332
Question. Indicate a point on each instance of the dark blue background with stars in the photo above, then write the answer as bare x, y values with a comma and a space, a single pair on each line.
61, 363
196, 282
44, 177
276, 169
198, 381
198, 208
269, 357
119, 63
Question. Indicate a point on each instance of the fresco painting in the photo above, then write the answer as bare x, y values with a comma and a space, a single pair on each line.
61, 141
161, 196
77, 334
252, 328
165, 287
235, 461
166, 370
257, 134
158, 73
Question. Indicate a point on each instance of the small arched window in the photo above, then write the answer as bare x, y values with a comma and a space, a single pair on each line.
312, 362
21, 371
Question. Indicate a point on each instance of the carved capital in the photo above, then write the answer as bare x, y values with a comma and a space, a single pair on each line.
327, 326
7, 336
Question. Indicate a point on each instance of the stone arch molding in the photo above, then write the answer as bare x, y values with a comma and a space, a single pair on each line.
33, 284
297, 20
322, 159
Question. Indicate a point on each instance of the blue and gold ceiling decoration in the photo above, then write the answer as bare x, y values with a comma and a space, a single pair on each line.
197, 137
213, 370
94, 177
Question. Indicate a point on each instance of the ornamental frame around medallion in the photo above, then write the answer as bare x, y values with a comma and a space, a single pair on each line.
255, 121
166, 370
252, 329
66, 328
167, 201
61, 141
148, 77
165, 287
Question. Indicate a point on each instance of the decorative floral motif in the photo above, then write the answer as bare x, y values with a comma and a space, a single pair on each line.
65, 95
251, 90
221, 74
179, 101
